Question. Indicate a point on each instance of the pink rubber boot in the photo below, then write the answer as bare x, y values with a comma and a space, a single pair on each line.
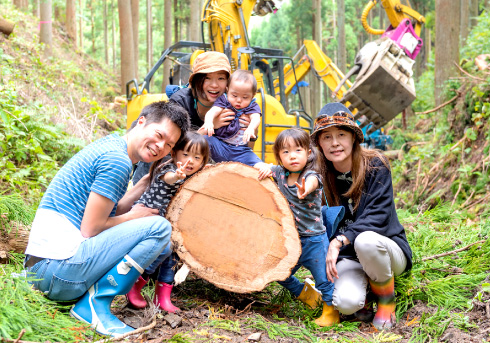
135, 299
162, 297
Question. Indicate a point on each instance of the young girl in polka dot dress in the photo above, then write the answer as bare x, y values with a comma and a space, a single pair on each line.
189, 156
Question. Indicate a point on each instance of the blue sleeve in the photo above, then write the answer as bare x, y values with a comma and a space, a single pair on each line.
112, 175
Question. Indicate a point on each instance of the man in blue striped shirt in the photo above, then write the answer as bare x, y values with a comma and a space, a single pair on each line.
86, 239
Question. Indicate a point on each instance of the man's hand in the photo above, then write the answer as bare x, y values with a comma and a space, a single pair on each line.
141, 211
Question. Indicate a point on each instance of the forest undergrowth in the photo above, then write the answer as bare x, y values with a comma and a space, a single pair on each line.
50, 108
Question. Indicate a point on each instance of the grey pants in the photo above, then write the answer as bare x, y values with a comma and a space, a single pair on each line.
379, 259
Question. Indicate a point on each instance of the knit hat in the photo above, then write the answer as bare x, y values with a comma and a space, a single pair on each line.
336, 114
209, 62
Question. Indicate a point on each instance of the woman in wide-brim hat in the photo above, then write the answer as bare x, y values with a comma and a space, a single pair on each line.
369, 244
208, 81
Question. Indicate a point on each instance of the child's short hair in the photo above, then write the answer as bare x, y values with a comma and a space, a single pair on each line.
302, 139
192, 141
245, 76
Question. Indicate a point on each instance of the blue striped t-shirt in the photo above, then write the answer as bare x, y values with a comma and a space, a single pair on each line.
103, 167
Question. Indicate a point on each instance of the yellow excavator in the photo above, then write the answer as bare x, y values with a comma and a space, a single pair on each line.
383, 87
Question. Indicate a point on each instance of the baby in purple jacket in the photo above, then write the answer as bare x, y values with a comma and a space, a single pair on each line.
229, 143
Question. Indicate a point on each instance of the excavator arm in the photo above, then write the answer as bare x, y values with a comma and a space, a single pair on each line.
396, 12
326, 70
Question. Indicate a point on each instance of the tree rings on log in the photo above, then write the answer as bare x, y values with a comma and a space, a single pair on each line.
233, 230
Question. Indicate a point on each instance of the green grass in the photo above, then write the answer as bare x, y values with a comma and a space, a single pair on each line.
23, 308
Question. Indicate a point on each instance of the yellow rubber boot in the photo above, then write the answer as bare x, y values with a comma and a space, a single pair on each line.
310, 296
329, 316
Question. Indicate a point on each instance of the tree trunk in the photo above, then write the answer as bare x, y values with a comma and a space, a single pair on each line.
224, 253
106, 39
57, 14
316, 86
381, 13
176, 21
342, 62
474, 9
427, 45
167, 40
135, 17
149, 35
464, 21
334, 34
35, 9
447, 44
46, 35
194, 22
113, 18
21, 4
126, 43
71, 20
92, 25
370, 22
80, 22
180, 22
6, 26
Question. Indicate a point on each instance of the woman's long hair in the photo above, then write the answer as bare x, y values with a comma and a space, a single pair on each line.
361, 165
301, 139
192, 141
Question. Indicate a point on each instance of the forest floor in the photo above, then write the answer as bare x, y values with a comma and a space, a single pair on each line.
244, 318
440, 188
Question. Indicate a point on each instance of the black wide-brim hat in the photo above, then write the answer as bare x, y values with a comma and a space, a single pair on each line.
336, 114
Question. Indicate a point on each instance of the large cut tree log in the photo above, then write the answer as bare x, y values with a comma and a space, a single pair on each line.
232, 230
6, 26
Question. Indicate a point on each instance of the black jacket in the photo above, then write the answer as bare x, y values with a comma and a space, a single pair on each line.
184, 98
376, 212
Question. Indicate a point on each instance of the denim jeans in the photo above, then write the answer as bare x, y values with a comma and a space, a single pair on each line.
224, 152
142, 239
313, 258
165, 263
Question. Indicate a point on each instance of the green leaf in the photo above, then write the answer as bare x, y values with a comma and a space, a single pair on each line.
471, 134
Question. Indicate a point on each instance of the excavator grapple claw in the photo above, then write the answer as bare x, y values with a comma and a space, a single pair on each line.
389, 73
